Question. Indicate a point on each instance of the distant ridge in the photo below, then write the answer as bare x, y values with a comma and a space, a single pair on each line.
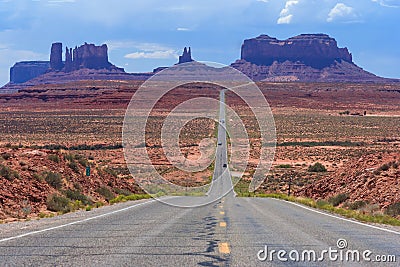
303, 58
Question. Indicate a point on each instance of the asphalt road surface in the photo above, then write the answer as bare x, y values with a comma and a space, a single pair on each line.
231, 231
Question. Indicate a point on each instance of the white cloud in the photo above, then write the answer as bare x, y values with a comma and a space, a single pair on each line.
143, 46
145, 50
285, 16
153, 55
388, 3
285, 20
182, 29
340, 11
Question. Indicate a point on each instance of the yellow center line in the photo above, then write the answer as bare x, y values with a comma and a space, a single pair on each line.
224, 248
222, 224
222, 212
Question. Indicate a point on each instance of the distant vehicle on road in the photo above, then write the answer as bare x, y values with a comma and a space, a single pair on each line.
219, 144
222, 121
224, 165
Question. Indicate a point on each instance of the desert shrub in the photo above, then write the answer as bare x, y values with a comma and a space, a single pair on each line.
6, 156
322, 203
384, 167
284, 166
82, 160
69, 157
54, 180
77, 195
356, 205
111, 172
124, 192
338, 199
370, 209
393, 209
317, 167
58, 203
105, 192
7, 173
54, 157
74, 166
78, 186
38, 177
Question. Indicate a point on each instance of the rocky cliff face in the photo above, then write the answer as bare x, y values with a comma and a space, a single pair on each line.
306, 58
27, 70
56, 62
315, 50
86, 56
186, 56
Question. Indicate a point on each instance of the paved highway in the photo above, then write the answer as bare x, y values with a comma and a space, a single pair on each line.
228, 232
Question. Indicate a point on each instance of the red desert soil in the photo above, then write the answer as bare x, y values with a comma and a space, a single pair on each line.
91, 113
373, 178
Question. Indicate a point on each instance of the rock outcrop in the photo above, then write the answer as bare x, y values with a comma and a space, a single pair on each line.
186, 56
306, 58
56, 62
27, 70
373, 178
315, 50
86, 56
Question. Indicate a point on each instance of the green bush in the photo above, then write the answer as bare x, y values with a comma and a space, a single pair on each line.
105, 192
393, 209
76, 195
74, 166
384, 167
69, 157
322, 203
54, 157
124, 192
38, 177
58, 203
356, 205
284, 166
6, 156
317, 167
338, 199
54, 180
7, 173
111, 172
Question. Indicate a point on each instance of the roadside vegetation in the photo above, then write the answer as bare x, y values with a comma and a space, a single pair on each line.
357, 210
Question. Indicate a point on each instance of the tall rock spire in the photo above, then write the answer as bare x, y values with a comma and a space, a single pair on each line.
186, 56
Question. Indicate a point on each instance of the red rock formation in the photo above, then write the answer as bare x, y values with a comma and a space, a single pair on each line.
315, 50
26, 70
363, 179
186, 56
56, 57
305, 58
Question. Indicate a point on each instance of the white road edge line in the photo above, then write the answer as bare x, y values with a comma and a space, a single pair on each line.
340, 218
72, 223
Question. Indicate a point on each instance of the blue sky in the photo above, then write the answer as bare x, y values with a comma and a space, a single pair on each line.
142, 35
